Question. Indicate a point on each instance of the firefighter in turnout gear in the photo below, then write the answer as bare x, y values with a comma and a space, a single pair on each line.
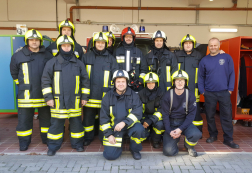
66, 28
66, 89
151, 97
121, 113
178, 110
111, 42
130, 58
161, 61
100, 66
188, 60
26, 69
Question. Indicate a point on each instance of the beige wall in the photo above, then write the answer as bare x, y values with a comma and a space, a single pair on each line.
41, 13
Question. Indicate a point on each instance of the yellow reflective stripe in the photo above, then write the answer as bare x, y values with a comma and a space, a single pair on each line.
112, 116
57, 102
77, 84
159, 115
190, 143
76, 54
16, 81
77, 135
105, 126
24, 133
47, 90
59, 116
149, 68
32, 105
106, 78
88, 69
138, 141
196, 89
118, 139
94, 101
97, 116
198, 123
143, 108
133, 117
168, 73
30, 100
54, 137
159, 132
179, 66
104, 93
138, 60
56, 82
67, 111
112, 145
54, 52
93, 105
25, 73
44, 129
120, 59
142, 75
168, 88
77, 102
74, 114
89, 128
85, 91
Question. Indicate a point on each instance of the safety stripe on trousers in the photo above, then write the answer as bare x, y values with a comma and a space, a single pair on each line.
89, 128
54, 137
44, 129
24, 133
159, 132
190, 143
198, 123
77, 135
137, 140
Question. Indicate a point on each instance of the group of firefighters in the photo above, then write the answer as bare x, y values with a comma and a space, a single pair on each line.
155, 95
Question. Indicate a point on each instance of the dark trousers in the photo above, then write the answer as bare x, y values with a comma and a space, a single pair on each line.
198, 121
158, 130
136, 134
170, 145
25, 124
211, 99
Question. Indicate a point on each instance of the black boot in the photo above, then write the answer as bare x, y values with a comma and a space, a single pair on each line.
156, 145
87, 142
136, 155
192, 152
80, 149
23, 148
51, 153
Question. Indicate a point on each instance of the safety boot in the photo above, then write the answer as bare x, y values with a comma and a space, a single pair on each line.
23, 148
87, 142
156, 144
136, 155
51, 153
192, 152
80, 149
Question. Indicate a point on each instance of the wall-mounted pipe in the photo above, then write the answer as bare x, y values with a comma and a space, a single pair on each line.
39, 29
234, 8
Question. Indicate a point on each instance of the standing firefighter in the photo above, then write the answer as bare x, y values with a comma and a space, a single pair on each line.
111, 42
161, 61
66, 28
65, 86
120, 114
130, 58
178, 109
100, 66
188, 60
151, 97
26, 69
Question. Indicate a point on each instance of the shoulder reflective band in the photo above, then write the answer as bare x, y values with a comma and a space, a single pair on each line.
159, 132
54, 137
105, 127
138, 60
47, 90
106, 78
111, 115
85, 91
56, 82
159, 115
196, 89
179, 66
77, 84
54, 52
24, 133
190, 143
137, 140
16, 81
143, 108
88, 68
168, 73
142, 75
89, 128
77, 102
198, 123
120, 59
44, 129
76, 54
26, 79
77, 135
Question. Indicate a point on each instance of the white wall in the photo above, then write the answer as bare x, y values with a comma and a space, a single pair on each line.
42, 13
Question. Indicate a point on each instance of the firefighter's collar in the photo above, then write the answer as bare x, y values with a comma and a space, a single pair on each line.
127, 92
183, 53
27, 52
166, 52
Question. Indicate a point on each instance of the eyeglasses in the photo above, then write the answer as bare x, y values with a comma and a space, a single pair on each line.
180, 81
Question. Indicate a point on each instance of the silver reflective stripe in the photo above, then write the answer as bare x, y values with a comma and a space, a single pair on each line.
128, 59
187, 95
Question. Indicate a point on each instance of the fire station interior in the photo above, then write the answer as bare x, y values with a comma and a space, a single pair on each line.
228, 20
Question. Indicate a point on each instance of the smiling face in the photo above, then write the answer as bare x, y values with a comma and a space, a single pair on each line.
121, 84
151, 85
214, 46
159, 42
128, 39
100, 45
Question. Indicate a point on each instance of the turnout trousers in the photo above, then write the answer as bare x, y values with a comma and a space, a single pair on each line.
192, 135
158, 130
25, 124
136, 134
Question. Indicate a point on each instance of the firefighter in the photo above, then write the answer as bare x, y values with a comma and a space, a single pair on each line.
188, 60
151, 97
111, 42
100, 66
66, 88
161, 61
26, 69
178, 110
130, 58
121, 112
66, 28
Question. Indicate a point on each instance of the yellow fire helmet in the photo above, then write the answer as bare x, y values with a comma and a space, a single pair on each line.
33, 34
100, 36
66, 23
111, 35
151, 77
186, 38
180, 74
64, 40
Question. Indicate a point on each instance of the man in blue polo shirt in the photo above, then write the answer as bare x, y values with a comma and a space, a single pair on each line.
216, 83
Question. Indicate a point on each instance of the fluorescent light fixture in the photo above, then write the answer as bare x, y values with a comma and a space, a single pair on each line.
210, 0
223, 30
